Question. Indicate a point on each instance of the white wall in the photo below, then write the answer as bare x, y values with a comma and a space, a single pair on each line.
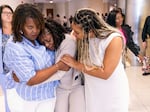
14, 3
71, 6
98, 5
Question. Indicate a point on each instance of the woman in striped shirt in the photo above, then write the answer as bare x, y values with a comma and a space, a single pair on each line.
31, 63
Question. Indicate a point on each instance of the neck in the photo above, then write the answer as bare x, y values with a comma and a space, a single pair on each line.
119, 27
7, 28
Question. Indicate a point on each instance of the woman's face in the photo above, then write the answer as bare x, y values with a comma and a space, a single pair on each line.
47, 40
31, 29
6, 15
119, 19
78, 32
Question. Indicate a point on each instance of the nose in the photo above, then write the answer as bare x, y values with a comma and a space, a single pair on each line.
46, 44
35, 30
73, 33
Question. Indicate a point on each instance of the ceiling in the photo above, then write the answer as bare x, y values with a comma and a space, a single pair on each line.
48, 1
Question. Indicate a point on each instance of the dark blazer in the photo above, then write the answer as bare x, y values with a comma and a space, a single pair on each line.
146, 29
128, 33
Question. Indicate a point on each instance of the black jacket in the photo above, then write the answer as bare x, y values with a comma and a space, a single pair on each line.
128, 33
146, 29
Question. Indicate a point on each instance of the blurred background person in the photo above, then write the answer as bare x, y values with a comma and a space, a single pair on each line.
6, 13
115, 19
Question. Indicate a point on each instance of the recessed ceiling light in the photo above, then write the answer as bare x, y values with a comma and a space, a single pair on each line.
51, 1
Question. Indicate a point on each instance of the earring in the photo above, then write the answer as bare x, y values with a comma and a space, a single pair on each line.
21, 32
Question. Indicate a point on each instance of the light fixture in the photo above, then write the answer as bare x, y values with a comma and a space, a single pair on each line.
51, 1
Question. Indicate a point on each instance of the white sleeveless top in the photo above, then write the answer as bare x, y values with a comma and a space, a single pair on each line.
109, 95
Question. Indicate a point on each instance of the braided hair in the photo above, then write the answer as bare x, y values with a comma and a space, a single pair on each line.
89, 20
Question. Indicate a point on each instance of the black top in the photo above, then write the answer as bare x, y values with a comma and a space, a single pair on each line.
146, 29
128, 33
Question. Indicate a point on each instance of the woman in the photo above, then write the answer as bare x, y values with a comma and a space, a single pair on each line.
31, 63
6, 13
100, 50
115, 19
56, 38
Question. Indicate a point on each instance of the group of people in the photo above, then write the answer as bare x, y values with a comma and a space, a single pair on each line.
51, 70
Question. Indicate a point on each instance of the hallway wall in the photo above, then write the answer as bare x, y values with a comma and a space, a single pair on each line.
136, 12
14, 3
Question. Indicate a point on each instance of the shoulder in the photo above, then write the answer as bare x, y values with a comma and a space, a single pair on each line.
126, 26
69, 39
112, 36
148, 17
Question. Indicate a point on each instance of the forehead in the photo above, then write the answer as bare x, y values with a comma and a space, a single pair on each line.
32, 21
76, 27
6, 9
118, 15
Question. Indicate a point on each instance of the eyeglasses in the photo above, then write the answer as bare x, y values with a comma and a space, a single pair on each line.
7, 13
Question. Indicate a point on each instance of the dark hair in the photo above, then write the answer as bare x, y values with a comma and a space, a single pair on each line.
22, 12
1, 10
57, 31
111, 18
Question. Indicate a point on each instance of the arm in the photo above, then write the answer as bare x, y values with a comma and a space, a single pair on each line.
26, 69
39, 77
144, 32
68, 46
44, 74
135, 49
111, 59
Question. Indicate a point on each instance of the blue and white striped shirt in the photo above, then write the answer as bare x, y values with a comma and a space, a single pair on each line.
24, 59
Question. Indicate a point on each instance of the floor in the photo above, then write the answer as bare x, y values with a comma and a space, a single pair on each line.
139, 91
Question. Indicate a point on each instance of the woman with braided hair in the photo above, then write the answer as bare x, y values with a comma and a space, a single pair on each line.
100, 49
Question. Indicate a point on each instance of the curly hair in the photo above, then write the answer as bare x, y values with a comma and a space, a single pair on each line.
57, 31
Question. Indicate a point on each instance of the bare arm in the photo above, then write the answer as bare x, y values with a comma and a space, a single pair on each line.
44, 74
111, 59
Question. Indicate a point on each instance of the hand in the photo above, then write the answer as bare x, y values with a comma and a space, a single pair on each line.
15, 77
70, 61
62, 66
141, 58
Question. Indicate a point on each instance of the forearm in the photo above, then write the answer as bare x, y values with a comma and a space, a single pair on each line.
43, 75
96, 71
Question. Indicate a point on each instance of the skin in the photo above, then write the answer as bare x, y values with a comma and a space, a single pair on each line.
6, 15
111, 58
119, 22
32, 31
6, 21
47, 40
